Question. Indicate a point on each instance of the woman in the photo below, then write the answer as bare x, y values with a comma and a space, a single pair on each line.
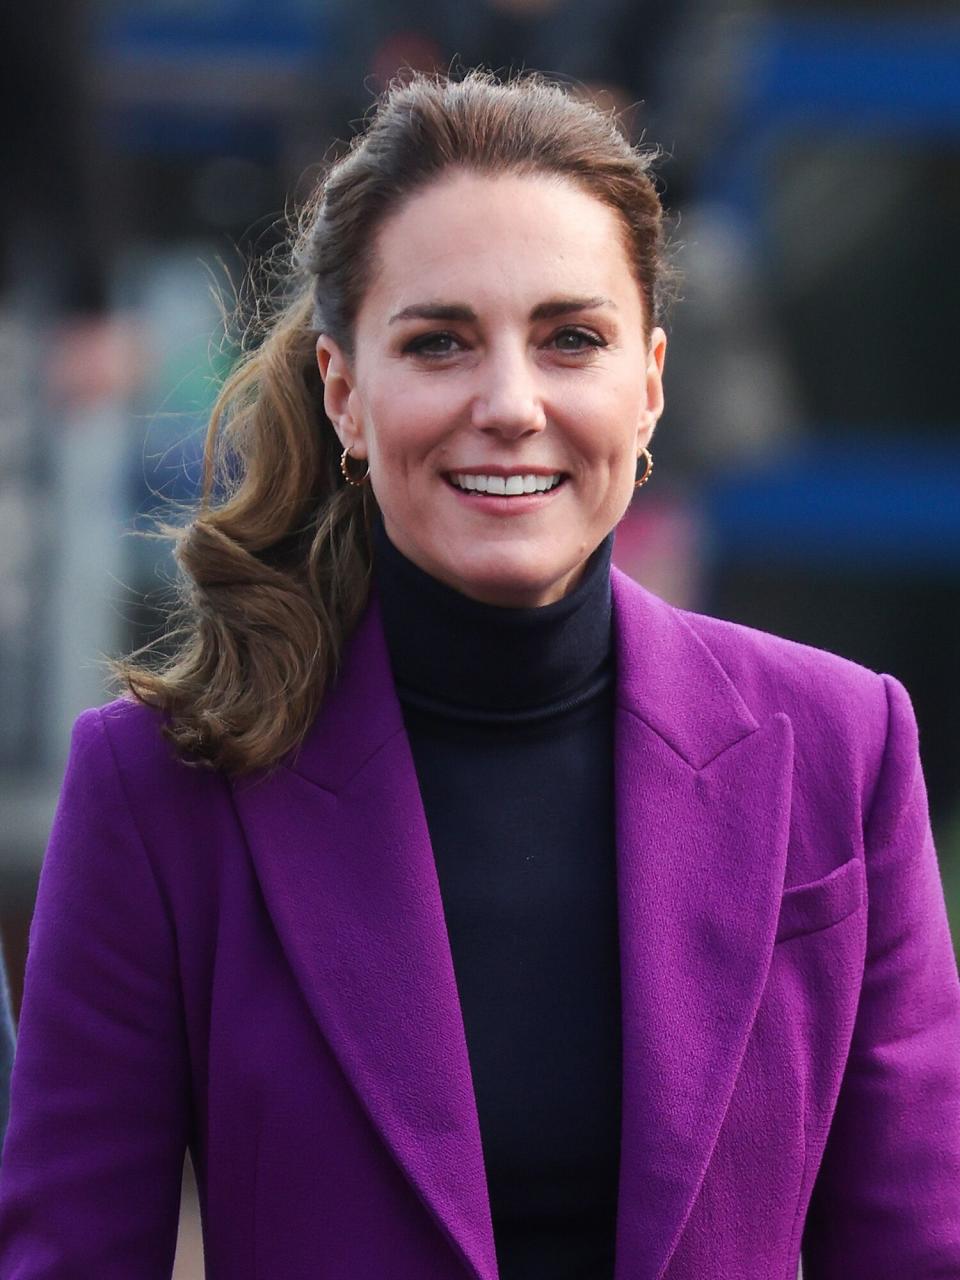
520, 924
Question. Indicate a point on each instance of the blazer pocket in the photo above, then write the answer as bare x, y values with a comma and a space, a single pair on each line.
808, 908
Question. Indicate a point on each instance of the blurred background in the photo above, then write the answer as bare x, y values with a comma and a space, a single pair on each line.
807, 465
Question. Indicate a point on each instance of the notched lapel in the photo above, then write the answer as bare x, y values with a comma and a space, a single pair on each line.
342, 851
702, 806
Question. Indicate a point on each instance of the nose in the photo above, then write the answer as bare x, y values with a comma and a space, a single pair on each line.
508, 401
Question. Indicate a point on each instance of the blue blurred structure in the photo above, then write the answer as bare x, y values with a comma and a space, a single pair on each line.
210, 76
881, 76
853, 505
854, 498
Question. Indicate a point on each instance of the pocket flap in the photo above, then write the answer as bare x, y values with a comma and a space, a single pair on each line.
806, 908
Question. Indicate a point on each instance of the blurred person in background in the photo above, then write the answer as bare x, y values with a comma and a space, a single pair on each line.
464, 907
57, 200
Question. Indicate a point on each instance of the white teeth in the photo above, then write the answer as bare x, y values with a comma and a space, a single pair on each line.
506, 485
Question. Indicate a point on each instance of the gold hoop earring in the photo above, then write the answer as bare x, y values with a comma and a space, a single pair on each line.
346, 474
648, 459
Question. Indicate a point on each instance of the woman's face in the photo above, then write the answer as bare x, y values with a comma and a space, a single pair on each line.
501, 338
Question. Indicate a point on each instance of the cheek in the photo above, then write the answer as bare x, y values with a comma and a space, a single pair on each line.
607, 434
403, 424
613, 408
611, 449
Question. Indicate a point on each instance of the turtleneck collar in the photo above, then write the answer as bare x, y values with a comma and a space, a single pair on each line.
457, 656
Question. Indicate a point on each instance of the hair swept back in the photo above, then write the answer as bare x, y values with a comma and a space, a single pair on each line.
274, 558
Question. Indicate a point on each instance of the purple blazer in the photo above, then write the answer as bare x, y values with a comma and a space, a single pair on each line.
262, 971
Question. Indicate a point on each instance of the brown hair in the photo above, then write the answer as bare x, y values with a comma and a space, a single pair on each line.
275, 559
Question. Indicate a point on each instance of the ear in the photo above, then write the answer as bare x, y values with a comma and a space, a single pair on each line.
339, 395
654, 380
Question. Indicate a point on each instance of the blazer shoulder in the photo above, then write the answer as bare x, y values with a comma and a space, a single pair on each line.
123, 769
815, 687
842, 712
128, 716
143, 756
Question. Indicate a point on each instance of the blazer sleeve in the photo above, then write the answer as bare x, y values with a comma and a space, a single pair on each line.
886, 1202
93, 1156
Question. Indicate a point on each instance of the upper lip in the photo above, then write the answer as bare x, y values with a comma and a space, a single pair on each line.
489, 469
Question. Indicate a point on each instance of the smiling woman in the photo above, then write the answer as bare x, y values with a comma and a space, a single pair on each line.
475, 289
468, 911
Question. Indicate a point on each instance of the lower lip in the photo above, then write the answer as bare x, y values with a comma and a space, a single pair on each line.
497, 505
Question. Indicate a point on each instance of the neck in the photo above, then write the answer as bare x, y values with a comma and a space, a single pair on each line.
462, 655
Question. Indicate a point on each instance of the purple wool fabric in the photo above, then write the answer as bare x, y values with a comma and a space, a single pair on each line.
262, 971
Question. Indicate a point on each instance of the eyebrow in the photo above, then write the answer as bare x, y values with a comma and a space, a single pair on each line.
457, 311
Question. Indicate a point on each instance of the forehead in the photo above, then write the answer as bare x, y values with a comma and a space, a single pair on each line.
496, 241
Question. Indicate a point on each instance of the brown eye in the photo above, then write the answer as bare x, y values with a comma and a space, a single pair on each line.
432, 344
574, 340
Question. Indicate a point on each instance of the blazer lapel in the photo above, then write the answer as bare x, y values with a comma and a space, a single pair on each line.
342, 852
702, 811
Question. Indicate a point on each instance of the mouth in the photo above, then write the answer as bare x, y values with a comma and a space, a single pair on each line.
516, 485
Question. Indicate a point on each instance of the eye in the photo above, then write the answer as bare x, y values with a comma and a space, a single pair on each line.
575, 340
432, 344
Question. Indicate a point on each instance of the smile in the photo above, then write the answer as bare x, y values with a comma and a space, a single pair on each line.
505, 486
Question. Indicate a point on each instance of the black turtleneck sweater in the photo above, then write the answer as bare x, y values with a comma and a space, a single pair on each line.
510, 718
